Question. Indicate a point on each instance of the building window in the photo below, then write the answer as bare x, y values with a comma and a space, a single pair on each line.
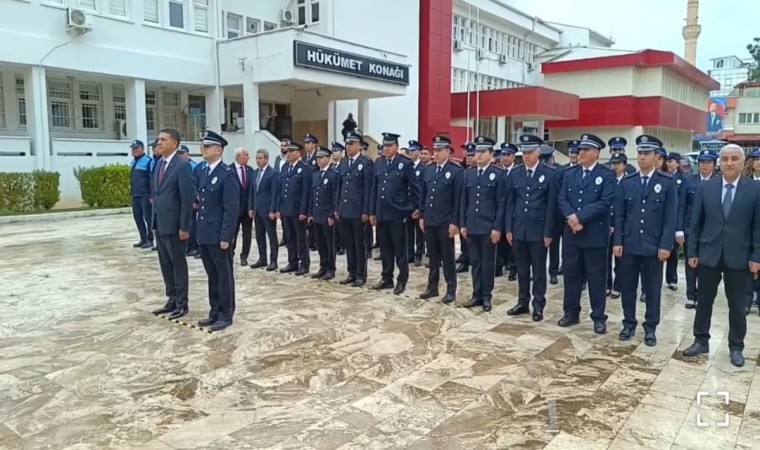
21, 101
150, 109
59, 93
117, 8
89, 104
234, 26
749, 118
177, 13
200, 15
252, 26
170, 110
308, 12
119, 103
150, 11
269, 26
91, 5
2, 102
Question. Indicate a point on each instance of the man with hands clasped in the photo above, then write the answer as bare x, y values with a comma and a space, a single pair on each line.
646, 210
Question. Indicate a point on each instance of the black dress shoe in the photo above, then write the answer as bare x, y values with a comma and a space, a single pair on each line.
272, 267
399, 289
197, 255
243, 261
463, 268
696, 349
301, 272
553, 279
499, 273
383, 284
560, 270
207, 322
328, 276
341, 252
179, 312
614, 295
319, 274
643, 298
146, 245
518, 309
220, 325
473, 302
154, 249
737, 358
283, 243
650, 339
359, 283
163, 310
428, 294
626, 333
138, 245
378, 258
538, 314
258, 264
348, 280
448, 299
512, 276
288, 269
600, 327
690, 303
568, 320
487, 306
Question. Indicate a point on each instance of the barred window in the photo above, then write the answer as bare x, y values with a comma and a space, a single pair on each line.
150, 109
2, 103
21, 101
59, 93
89, 105
119, 103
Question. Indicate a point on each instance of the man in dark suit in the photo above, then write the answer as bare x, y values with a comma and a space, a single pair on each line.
585, 197
725, 243
263, 204
245, 175
356, 178
295, 180
280, 161
325, 184
219, 197
173, 196
529, 225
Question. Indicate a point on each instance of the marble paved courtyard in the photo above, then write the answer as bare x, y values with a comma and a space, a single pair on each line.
314, 365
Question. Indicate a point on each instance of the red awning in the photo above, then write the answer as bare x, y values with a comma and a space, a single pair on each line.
525, 103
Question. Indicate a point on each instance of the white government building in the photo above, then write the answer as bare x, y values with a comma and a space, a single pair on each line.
79, 79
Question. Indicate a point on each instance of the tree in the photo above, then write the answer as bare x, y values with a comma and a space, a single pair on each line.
754, 51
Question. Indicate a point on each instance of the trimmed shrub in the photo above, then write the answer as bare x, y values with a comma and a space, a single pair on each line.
47, 190
104, 186
24, 191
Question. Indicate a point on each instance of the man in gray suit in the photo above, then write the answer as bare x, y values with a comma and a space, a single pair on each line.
725, 242
173, 195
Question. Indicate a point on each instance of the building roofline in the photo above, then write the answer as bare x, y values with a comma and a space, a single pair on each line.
526, 15
596, 34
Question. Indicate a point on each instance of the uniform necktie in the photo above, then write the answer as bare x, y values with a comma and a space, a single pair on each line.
727, 200
438, 171
162, 171
290, 169
644, 181
258, 179
585, 173
480, 173
242, 176
530, 174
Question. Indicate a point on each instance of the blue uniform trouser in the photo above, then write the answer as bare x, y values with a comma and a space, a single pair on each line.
141, 212
221, 281
581, 265
482, 253
650, 270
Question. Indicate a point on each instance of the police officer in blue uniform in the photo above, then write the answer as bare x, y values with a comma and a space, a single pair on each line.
529, 224
617, 145
325, 185
646, 209
585, 197
619, 162
556, 250
191, 245
294, 208
141, 170
673, 162
310, 145
505, 257
219, 196
464, 257
397, 197
415, 239
706, 161
357, 174
439, 208
482, 219
753, 172
369, 231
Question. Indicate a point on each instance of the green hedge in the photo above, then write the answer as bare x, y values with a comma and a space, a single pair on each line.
104, 186
24, 192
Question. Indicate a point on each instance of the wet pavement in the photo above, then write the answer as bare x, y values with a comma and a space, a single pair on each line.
314, 365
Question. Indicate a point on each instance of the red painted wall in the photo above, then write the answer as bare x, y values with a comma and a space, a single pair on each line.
435, 69
516, 102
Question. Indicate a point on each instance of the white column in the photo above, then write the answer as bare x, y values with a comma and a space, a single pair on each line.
332, 130
35, 90
501, 129
362, 116
137, 121
251, 108
215, 109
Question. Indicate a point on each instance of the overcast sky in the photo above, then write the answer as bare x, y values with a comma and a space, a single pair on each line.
656, 24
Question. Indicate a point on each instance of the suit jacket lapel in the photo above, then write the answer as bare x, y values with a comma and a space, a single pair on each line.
167, 172
589, 177
739, 192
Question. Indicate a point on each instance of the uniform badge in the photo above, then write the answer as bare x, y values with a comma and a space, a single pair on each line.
299, 170
400, 166
657, 188
325, 182
492, 177
678, 181
541, 179
360, 167
598, 181
213, 180
447, 175
417, 173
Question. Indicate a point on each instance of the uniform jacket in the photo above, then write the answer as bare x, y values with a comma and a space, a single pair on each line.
483, 200
173, 198
355, 195
679, 178
590, 199
219, 200
325, 186
686, 204
396, 189
266, 198
735, 239
441, 195
311, 161
295, 189
141, 170
530, 203
645, 217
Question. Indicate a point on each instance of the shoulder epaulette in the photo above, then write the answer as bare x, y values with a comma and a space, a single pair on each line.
630, 175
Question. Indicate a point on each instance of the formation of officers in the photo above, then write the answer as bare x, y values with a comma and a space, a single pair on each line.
618, 226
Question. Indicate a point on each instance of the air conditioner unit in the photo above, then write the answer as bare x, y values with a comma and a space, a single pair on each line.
480, 54
120, 126
458, 46
78, 19
503, 59
253, 25
287, 16
531, 67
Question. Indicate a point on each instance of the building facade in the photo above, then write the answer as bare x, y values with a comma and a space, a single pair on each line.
729, 71
742, 121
